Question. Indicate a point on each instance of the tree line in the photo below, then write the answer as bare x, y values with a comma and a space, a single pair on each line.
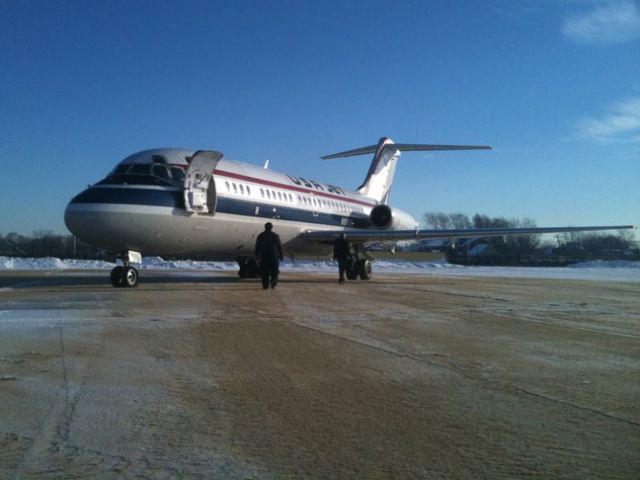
44, 243
530, 249
518, 249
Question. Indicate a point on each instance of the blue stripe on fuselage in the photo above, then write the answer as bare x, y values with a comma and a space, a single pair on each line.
234, 206
131, 196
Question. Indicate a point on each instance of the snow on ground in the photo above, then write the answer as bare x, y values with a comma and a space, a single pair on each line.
619, 270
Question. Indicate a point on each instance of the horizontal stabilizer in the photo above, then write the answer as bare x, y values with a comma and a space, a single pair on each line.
403, 147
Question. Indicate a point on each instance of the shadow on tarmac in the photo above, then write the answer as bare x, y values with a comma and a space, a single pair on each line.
27, 279
34, 279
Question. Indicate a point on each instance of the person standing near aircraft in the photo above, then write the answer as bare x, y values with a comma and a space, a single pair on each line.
342, 253
268, 254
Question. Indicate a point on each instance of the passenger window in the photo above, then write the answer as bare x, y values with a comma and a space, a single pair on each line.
248, 190
241, 189
235, 188
262, 193
226, 184
279, 196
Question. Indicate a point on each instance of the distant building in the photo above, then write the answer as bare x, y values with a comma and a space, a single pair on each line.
434, 245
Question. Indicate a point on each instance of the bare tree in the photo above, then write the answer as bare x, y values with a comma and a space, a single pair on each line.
437, 220
523, 244
444, 221
459, 221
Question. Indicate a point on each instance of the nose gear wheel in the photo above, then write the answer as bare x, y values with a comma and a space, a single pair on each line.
124, 277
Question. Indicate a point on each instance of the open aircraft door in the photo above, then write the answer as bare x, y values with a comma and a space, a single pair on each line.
199, 187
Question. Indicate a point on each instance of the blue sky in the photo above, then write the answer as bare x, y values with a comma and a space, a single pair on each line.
554, 87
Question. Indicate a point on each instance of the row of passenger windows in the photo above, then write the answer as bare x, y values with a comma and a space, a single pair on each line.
309, 201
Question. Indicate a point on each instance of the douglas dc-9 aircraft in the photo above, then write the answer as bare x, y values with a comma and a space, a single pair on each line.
171, 201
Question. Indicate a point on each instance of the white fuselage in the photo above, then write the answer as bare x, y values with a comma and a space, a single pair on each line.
140, 206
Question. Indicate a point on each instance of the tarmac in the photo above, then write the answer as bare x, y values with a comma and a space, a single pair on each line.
204, 375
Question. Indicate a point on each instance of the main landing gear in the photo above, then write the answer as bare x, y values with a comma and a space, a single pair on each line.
359, 268
248, 267
359, 263
126, 275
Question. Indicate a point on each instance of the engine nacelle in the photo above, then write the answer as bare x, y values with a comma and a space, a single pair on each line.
383, 216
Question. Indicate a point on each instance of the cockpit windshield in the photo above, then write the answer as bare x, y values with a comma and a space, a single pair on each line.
145, 174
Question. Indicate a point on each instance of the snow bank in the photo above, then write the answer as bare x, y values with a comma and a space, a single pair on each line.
619, 270
606, 264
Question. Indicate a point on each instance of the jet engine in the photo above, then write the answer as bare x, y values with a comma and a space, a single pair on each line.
383, 216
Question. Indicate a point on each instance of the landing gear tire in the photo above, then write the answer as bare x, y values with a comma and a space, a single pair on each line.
364, 269
130, 277
124, 277
116, 276
352, 271
248, 267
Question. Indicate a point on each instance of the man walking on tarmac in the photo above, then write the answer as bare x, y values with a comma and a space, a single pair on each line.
342, 253
268, 253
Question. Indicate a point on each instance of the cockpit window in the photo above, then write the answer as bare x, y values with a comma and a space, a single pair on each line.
161, 171
121, 169
140, 169
158, 159
177, 174
145, 174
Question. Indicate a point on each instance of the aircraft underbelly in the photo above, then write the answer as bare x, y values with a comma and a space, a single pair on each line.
156, 231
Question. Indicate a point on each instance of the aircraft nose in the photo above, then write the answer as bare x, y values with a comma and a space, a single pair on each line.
74, 218
84, 217
93, 217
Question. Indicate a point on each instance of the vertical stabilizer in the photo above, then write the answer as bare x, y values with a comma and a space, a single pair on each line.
377, 183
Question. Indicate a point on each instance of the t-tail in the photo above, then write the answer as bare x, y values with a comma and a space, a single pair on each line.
377, 183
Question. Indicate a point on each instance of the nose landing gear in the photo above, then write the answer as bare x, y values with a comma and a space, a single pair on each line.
126, 275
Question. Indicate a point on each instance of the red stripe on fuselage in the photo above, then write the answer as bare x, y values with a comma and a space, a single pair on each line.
290, 187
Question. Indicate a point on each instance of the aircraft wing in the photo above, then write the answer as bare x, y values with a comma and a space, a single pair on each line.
397, 235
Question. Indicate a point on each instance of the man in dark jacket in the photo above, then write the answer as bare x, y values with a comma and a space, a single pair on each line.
342, 253
268, 253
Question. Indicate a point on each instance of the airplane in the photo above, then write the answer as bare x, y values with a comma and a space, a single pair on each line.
170, 201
